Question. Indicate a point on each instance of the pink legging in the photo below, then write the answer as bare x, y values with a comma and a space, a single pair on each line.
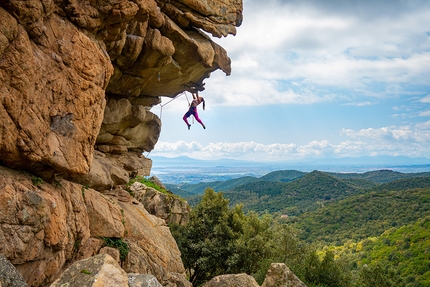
192, 111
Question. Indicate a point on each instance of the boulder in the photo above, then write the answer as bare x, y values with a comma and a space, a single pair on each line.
232, 280
142, 280
98, 271
112, 252
167, 206
158, 182
9, 276
279, 275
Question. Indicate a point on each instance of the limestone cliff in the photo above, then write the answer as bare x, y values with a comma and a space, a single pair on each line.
78, 75
77, 81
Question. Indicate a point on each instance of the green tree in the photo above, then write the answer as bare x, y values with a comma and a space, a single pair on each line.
327, 272
254, 249
222, 240
376, 276
207, 243
289, 249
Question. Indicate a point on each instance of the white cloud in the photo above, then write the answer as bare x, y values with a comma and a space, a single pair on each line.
244, 92
369, 54
320, 46
424, 113
382, 141
178, 147
420, 133
426, 99
359, 104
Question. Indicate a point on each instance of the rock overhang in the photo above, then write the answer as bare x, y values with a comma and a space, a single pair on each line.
77, 76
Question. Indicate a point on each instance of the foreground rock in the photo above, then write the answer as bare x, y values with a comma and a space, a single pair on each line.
232, 280
142, 280
98, 271
169, 207
279, 275
46, 226
9, 276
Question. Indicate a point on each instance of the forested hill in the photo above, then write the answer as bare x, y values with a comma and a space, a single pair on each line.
374, 217
293, 198
360, 180
379, 176
378, 217
364, 215
293, 192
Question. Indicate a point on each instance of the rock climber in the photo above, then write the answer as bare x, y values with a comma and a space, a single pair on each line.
193, 109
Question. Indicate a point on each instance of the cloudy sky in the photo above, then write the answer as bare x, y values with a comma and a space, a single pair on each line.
314, 79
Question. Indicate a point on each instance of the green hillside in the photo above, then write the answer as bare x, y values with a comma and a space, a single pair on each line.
199, 188
283, 175
375, 226
293, 198
380, 176
369, 214
406, 249
406, 183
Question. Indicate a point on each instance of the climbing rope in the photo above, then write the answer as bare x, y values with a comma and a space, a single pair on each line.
177, 96
162, 105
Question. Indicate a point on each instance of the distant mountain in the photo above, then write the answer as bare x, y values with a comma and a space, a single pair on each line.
189, 170
379, 176
282, 175
293, 198
199, 188
366, 160
179, 191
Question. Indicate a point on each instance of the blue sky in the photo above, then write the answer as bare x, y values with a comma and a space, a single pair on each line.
314, 79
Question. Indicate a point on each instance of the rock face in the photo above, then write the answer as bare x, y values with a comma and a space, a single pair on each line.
44, 227
52, 85
80, 75
77, 82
